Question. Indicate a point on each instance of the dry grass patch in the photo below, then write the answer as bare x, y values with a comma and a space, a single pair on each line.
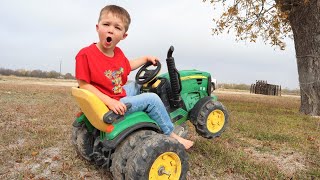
267, 138
35, 141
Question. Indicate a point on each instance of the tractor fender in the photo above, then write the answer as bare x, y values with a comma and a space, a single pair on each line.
112, 144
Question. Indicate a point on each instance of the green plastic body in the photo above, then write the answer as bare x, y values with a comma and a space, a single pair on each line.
119, 126
195, 86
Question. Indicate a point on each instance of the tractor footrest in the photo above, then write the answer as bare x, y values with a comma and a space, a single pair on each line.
100, 158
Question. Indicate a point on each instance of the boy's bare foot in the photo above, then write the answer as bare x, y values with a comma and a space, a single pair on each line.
185, 142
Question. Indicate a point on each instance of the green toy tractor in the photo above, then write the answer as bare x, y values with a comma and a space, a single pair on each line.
133, 146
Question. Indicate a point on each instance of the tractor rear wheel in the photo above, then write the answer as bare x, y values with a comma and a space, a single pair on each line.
209, 117
159, 157
83, 141
124, 151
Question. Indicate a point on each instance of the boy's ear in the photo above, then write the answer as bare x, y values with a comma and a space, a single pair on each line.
97, 27
124, 36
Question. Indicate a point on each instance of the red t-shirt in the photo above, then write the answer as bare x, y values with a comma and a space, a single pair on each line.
105, 73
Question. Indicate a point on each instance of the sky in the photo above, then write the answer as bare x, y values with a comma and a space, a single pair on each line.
39, 34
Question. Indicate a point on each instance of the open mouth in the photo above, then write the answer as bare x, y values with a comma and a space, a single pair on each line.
109, 39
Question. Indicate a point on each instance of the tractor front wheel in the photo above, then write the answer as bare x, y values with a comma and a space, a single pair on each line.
159, 157
209, 117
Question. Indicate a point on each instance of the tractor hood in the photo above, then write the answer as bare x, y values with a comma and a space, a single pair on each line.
189, 74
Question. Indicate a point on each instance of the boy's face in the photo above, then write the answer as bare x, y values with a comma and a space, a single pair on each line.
111, 30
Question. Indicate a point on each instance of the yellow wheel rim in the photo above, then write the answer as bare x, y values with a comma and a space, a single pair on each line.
166, 166
215, 121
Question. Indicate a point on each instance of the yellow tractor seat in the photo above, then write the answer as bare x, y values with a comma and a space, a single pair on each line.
92, 107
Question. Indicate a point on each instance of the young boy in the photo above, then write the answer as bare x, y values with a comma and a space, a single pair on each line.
103, 69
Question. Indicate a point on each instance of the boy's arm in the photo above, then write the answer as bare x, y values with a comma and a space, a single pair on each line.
136, 63
116, 106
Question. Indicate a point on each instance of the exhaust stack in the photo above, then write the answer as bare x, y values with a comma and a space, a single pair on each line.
175, 82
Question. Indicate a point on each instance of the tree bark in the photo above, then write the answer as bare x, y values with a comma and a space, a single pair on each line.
305, 22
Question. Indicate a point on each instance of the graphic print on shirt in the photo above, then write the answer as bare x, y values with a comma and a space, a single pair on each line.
115, 77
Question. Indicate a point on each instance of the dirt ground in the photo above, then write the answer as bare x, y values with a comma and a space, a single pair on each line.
42, 148
37, 81
36, 120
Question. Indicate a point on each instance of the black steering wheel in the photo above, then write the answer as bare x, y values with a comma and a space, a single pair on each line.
145, 75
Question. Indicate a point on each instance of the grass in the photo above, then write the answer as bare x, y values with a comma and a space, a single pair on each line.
246, 87
267, 138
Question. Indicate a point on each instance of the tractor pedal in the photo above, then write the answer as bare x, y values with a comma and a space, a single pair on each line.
179, 130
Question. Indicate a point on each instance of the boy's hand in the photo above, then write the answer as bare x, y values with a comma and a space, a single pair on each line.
152, 59
116, 106
136, 63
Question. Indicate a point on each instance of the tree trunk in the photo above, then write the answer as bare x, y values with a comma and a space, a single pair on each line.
305, 22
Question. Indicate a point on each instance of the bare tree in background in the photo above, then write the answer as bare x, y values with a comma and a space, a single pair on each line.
273, 21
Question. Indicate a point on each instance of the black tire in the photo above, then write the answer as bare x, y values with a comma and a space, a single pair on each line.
148, 159
83, 141
209, 117
124, 150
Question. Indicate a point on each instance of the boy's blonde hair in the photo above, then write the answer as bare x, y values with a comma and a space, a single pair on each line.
119, 12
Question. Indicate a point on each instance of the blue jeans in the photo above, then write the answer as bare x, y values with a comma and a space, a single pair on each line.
149, 103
